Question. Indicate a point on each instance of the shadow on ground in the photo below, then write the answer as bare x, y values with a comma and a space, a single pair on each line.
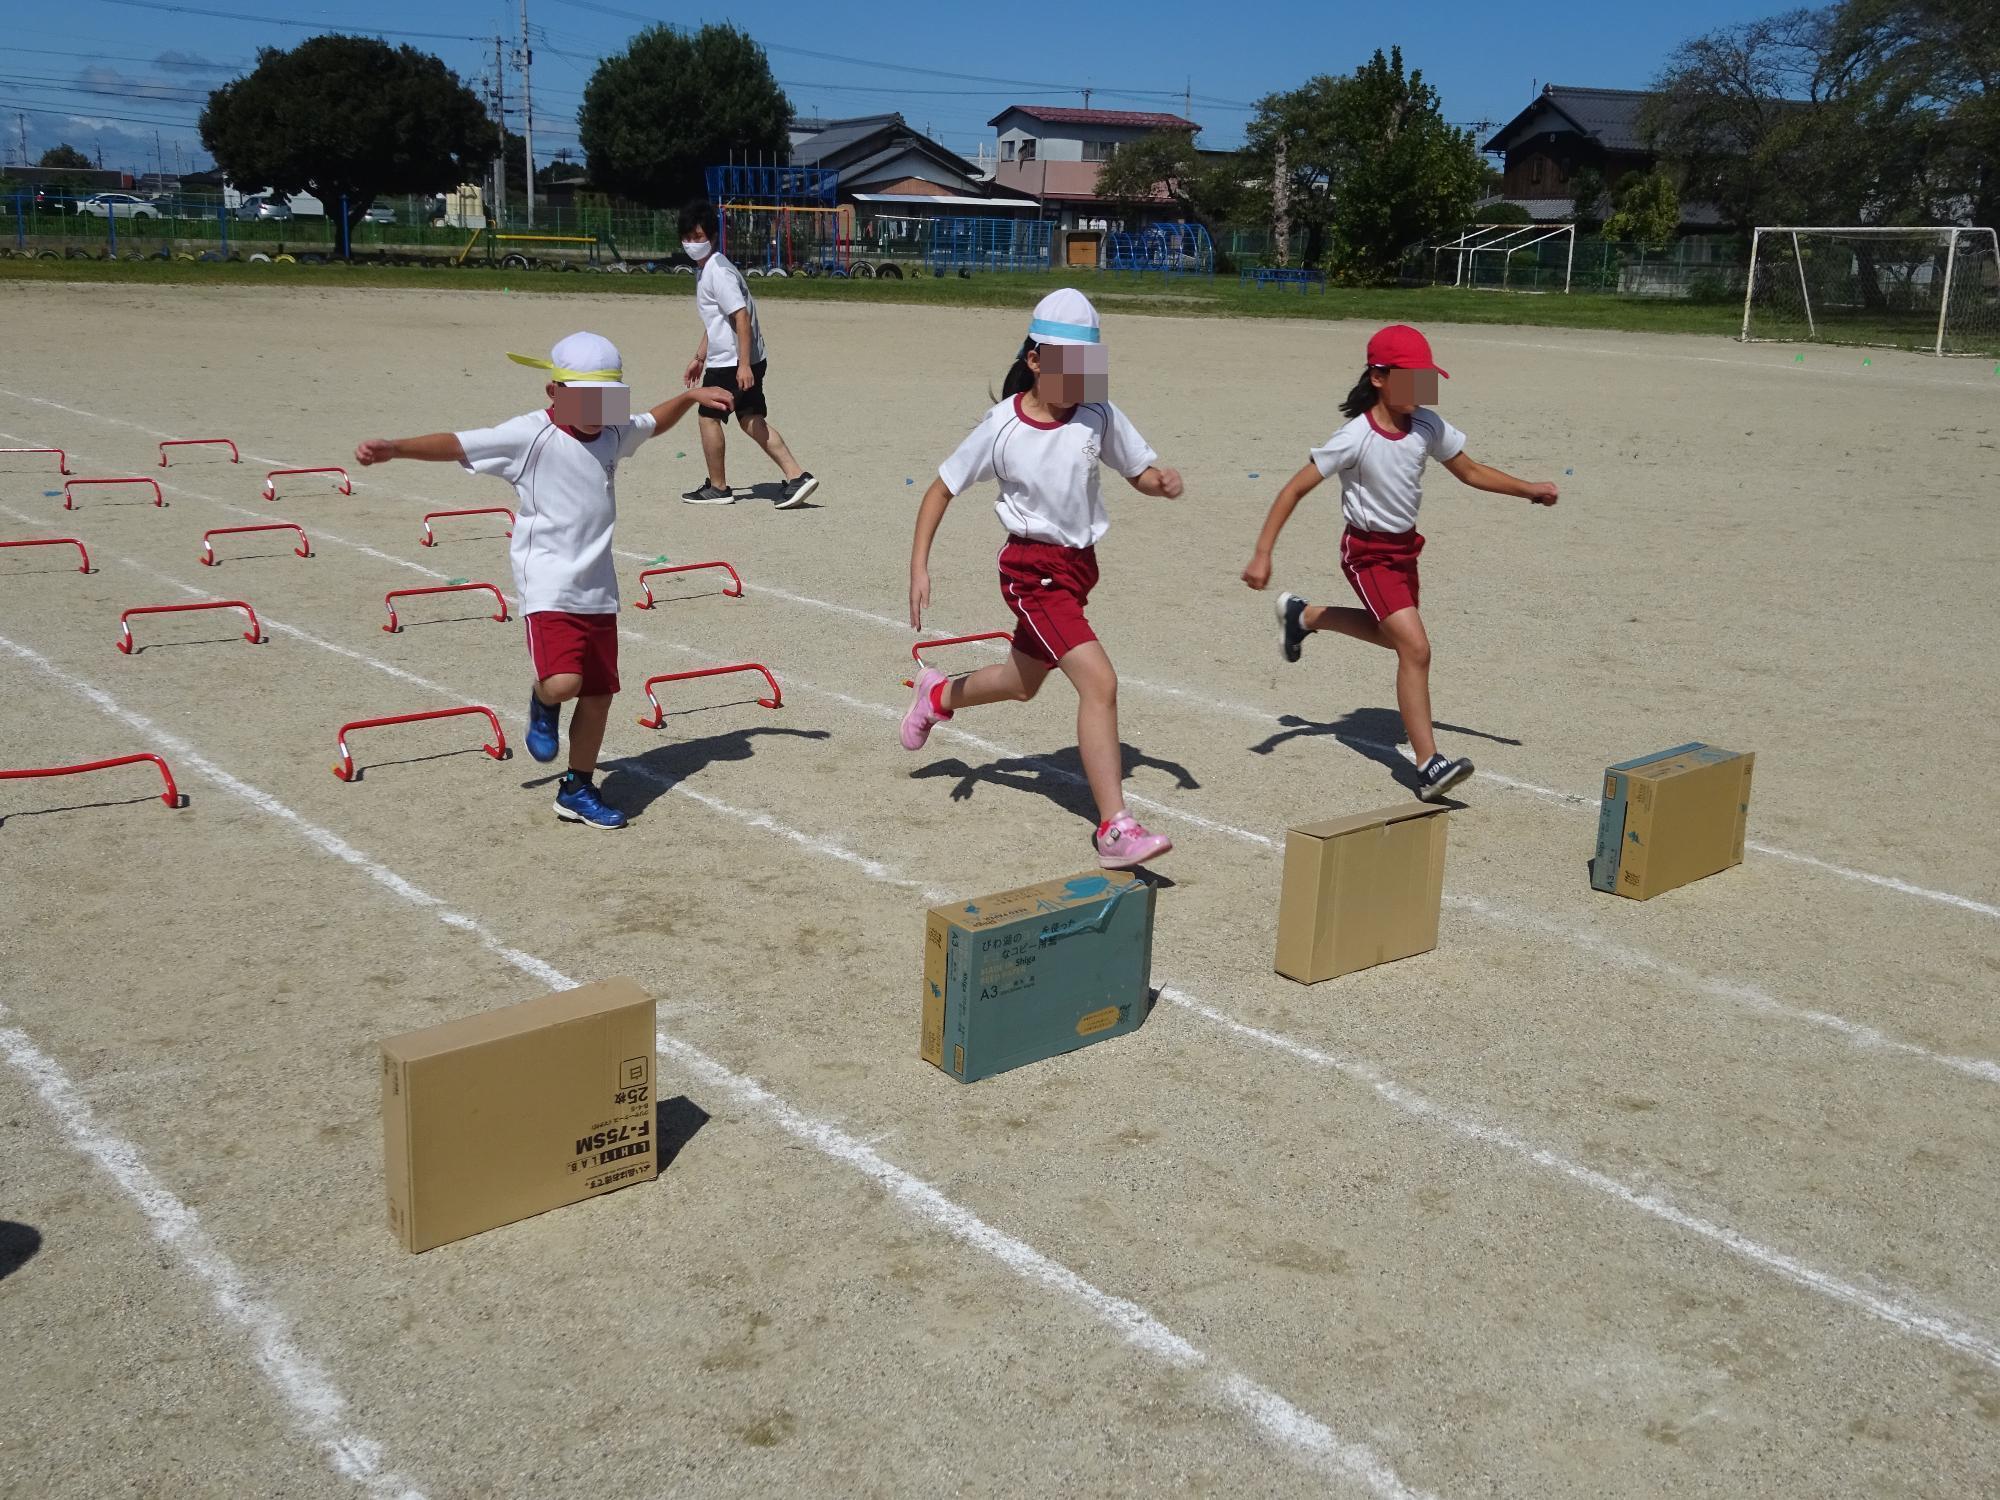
1372, 733
1057, 776
669, 765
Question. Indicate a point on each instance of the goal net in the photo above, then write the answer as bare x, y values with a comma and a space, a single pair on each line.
1937, 290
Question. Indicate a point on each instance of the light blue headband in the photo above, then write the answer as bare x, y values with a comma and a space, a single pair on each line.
1081, 332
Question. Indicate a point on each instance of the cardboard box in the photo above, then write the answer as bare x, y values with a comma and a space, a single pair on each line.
1360, 891
1028, 974
515, 1111
1671, 818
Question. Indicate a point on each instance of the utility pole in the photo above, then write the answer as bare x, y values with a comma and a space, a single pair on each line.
528, 112
1086, 97
22, 119
500, 115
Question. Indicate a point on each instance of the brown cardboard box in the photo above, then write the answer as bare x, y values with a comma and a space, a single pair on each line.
1671, 818
1360, 891
516, 1111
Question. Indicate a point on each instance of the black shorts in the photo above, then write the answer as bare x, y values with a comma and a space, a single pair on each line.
749, 403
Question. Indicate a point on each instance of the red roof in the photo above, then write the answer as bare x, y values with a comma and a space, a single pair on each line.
1136, 119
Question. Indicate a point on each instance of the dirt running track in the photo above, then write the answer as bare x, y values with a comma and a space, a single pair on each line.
1694, 1197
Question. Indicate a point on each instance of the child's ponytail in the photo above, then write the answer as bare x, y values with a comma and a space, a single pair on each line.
1363, 397
1020, 378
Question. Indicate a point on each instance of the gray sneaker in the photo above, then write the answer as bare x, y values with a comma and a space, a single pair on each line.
710, 494
795, 492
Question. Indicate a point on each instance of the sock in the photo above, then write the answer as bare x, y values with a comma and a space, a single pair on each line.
937, 699
572, 776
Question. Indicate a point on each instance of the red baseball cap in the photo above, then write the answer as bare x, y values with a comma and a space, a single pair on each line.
1401, 347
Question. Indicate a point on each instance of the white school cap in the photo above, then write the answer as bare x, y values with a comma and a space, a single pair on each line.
1064, 316
582, 359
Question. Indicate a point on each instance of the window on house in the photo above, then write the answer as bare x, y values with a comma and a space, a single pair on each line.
1006, 151
1535, 165
1027, 151
1099, 150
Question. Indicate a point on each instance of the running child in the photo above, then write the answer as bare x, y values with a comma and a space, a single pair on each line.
1379, 455
563, 463
1043, 443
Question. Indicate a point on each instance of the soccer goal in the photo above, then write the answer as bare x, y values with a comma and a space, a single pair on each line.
1507, 257
1934, 289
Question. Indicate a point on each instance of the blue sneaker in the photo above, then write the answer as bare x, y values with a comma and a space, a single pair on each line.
577, 802
544, 720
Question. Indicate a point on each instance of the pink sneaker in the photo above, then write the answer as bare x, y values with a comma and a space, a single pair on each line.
917, 723
1123, 843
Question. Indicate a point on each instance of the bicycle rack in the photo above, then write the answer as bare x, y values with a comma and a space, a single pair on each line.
171, 796
253, 635
62, 458
69, 484
271, 479
56, 541
430, 540
234, 456
728, 593
393, 595
917, 650
776, 700
345, 770
304, 548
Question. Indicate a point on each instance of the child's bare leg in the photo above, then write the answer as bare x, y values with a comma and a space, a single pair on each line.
765, 436
559, 689
1357, 623
1404, 632
1015, 680
1090, 672
586, 732
712, 452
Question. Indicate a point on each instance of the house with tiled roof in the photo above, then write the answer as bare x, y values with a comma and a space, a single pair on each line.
1055, 154
1566, 129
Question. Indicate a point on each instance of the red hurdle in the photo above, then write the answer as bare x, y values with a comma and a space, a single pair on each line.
56, 541
234, 456
271, 479
253, 635
776, 700
430, 540
69, 502
304, 548
393, 595
917, 650
345, 770
171, 796
62, 458
728, 593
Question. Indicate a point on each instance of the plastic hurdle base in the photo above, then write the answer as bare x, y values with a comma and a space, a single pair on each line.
271, 479
430, 538
171, 796
346, 770
57, 541
389, 599
208, 558
776, 700
62, 458
735, 591
253, 635
234, 456
69, 502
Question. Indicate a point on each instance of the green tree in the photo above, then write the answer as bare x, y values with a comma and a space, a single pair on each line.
671, 104
64, 155
1166, 165
1586, 186
348, 117
1370, 165
1649, 210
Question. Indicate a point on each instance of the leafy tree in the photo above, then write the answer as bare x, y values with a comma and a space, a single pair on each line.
668, 106
64, 155
1586, 185
348, 116
1649, 209
1165, 164
1371, 167
1503, 213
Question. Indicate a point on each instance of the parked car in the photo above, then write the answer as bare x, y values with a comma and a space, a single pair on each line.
379, 213
267, 210
117, 205
50, 199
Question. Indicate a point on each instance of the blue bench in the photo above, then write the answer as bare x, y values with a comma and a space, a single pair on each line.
1283, 276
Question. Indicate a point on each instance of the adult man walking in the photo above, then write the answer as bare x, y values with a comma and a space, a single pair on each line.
731, 354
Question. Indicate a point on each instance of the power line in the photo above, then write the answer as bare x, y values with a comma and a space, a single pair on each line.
74, 115
192, 67
234, 15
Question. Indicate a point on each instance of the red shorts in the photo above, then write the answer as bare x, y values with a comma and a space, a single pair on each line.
1382, 566
1047, 585
587, 645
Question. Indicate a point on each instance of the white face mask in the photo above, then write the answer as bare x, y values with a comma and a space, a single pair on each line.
697, 250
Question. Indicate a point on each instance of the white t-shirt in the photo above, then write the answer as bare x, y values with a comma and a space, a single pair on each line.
1048, 470
568, 501
720, 292
1382, 473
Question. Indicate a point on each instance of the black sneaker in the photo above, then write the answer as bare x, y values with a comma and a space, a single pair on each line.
710, 494
1438, 775
795, 492
1292, 630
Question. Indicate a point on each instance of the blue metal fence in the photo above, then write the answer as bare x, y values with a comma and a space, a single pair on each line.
966, 243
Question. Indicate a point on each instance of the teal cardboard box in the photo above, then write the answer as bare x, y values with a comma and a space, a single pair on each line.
1028, 974
1671, 818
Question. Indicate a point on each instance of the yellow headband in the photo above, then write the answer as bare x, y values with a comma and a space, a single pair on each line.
564, 376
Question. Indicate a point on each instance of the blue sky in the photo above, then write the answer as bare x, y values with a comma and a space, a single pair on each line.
127, 76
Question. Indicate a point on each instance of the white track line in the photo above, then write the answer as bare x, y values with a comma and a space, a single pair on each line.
318, 1408
1307, 1438
1807, 861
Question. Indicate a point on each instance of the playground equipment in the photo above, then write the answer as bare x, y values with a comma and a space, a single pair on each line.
62, 458
345, 770
968, 243
393, 595
253, 635
780, 221
735, 592
1178, 247
776, 700
430, 538
234, 456
598, 250
69, 502
271, 479
171, 796
56, 541
1281, 277
304, 548
917, 650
